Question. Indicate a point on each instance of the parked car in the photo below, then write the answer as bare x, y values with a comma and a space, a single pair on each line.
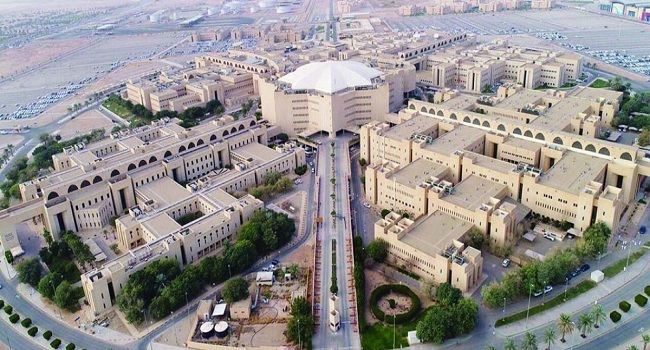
275, 262
642, 230
549, 236
367, 205
568, 277
505, 263
313, 170
576, 272
538, 293
548, 289
585, 267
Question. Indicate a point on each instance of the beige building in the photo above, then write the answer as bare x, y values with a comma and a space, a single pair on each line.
408, 10
527, 141
471, 68
542, 4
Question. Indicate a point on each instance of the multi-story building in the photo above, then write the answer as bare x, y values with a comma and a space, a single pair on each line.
347, 6
542, 4
409, 10
630, 9
542, 147
471, 68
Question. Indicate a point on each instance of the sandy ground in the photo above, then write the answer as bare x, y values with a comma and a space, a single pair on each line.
10, 139
17, 59
8, 6
85, 123
263, 335
403, 303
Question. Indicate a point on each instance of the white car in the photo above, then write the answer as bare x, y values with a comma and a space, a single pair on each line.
367, 205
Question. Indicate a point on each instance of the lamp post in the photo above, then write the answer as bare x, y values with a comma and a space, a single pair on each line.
175, 336
573, 335
146, 325
566, 287
600, 255
530, 292
229, 273
504, 305
544, 293
629, 250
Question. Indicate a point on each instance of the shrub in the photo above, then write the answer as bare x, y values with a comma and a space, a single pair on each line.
640, 300
392, 303
26, 322
47, 335
400, 289
70, 346
55, 343
615, 316
384, 212
14, 318
647, 290
32, 331
624, 305
9, 310
301, 170
2, 303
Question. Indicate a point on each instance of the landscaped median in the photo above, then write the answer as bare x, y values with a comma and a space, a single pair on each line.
573, 292
614, 269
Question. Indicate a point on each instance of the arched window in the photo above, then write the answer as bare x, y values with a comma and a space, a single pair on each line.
225, 133
241, 127
501, 127
626, 156
590, 148
411, 106
517, 131
528, 133
72, 188
85, 183
181, 149
52, 195
577, 145
97, 179
486, 124
142, 163
467, 120
423, 109
167, 154
431, 111
233, 130
540, 136
131, 167
440, 114
152, 159
604, 150
252, 122
557, 140
115, 173
213, 137
453, 116
476, 121
199, 142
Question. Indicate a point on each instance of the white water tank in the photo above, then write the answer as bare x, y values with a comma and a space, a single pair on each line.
266, 3
254, 9
212, 11
283, 9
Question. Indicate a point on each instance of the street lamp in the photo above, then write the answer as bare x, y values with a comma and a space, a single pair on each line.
146, 327
629, 250
600, 255
544, 293
187, 306
504, 305
573, 335
229, 273
530, 291
566, 287
175, 336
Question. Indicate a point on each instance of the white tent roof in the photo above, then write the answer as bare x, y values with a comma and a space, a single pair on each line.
219, 310
331, 76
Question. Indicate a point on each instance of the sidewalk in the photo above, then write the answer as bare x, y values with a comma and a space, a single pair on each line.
603, 294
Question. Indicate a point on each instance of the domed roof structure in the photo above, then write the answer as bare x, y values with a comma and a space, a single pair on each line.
331, 76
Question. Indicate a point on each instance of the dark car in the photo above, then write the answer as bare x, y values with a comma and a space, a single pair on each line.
568, 276
275, 262
642, 230
576, 272
585, 267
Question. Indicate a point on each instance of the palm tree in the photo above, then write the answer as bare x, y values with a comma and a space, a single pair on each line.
632, 347
564, 325
646, 339
585, 321
598, 315
10, 147
490, 347
529, 342
509, 344
549, 337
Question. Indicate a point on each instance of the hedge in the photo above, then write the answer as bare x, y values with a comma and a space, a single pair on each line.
47, 335
26, 322
615, 316
2, 302
9, 310
624, 305
70, 346
32, 331
14, 318
640, 300
647, 290
55, 343
400, 289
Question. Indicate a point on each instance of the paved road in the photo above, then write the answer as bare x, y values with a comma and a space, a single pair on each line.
345, 337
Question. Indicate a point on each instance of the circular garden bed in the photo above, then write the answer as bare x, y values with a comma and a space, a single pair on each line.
394, 303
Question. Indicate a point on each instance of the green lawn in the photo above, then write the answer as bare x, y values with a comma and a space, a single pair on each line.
582, 287
379, 336
117, 109
599, 84
614, 269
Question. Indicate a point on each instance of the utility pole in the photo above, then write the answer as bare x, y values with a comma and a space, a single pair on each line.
530, 291
393, 331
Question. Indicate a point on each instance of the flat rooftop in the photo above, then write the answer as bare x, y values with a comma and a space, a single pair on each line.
456, 140
462, 101
558, 116
491, 163
573, 172
521, 99
419, 170
256, 151
161, 224
163, 191
220, 197
523, 144
474, 191
592, 94
414, 125
433, 234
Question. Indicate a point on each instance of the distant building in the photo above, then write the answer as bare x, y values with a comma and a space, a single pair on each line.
626, 8
542, 4
409, 10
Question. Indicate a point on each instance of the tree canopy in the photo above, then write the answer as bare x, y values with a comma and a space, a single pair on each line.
301, 325
455, 316
378, 249
29, 271
595, 240
235, 289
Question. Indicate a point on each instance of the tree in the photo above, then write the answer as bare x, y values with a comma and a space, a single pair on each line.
65, 296
29, 271
241, 255
9, 257
464, 316
282, 137
235, 289
549, 337
378, 249
565, 325
214, 269
632, 347
476, 238
645, 338
363, 162
435, 326
595, 239
529, 342
300, 327
294, 270
509, 344
48, 237
586, 322
598, 315
384, 212
644, 138
448, 295
15, 191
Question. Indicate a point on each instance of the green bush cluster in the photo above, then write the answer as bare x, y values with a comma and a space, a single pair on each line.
26, 322
14, 318
646, 290
32, 331
9, 310
360, 282
615, 316
400, 289
55, 343
47, 335
301, 170
70, 346
624, 305
640, 300
2, 303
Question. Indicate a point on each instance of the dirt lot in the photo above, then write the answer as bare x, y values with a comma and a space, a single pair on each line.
10, 139
85, 123
17, 59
